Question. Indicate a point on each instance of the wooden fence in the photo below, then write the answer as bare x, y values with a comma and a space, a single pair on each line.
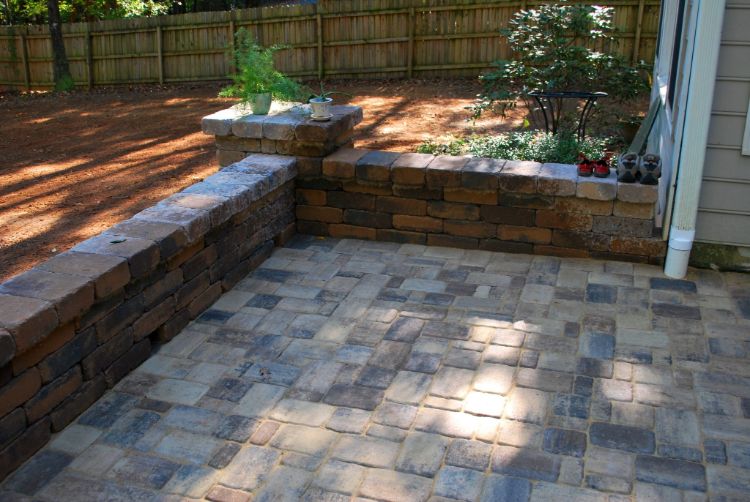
335, 38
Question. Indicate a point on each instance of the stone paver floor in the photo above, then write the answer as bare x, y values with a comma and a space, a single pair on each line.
347, 369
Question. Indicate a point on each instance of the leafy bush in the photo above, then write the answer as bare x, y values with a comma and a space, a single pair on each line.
256, 73
552, 49
527, 145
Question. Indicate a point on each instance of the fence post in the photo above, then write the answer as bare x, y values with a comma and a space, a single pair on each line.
319, 23
160, 54
25, 61
89, 59
638, 30
410, 54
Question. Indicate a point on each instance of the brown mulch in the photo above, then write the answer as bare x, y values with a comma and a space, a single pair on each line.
73, 165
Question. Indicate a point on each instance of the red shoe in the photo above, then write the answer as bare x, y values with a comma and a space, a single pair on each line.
585, 166
601, 168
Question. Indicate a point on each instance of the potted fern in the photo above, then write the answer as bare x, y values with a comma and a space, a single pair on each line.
321, 104
257, 81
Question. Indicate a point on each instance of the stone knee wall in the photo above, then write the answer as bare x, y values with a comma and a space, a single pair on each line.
76, 324
488, 204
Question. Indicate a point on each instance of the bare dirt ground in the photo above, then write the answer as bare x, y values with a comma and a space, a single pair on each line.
73, 165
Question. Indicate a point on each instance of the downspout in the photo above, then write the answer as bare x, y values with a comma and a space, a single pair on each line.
692, 155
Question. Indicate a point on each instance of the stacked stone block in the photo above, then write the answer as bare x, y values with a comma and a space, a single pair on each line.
287, 132
496, 205
76, 324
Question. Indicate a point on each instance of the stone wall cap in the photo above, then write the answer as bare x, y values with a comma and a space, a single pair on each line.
29, 320
413, 160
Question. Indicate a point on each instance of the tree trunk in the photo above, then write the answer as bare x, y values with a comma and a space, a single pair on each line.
61, 70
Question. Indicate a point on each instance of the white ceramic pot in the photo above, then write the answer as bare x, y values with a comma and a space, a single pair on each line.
321, 108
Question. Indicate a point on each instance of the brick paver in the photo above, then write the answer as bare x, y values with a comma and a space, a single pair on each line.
344, 369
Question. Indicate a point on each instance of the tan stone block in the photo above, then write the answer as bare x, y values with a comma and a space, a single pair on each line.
109, 273
597, 188
341, 164
532, 235
417, 223
558, 179
634, 210
228, 157
320, 213
28, 320
583, 206
622, 227
571, 221
644, 247
581, 240
409, 168
637, 193
470, 196
445, 171
519, 176
481, 174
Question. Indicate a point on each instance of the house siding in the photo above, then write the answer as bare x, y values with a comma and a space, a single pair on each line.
724, 208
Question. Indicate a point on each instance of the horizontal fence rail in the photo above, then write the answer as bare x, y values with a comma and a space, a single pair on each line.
343, 39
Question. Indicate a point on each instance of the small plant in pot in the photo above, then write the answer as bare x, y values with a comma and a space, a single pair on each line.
321, 104
257, 81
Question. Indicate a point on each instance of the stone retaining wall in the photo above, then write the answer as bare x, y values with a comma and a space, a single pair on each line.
76, 324
489, 204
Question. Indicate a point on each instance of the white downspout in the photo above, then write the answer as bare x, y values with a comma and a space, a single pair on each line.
700, 92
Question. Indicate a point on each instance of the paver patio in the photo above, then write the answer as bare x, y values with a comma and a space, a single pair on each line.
349, 369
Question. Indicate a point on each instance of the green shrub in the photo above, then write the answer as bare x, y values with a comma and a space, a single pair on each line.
527, 145
553, 51
256, 73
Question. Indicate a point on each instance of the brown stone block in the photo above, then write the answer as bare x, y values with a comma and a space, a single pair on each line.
367, 218
13, 424
99, 360
417, 192
401, 236
350, 200
398, 205
185, 255
162, 288
481, 174
342, 163
150, 321
526, 201
77, 403
452, 210
200, 262
532, 235
583, 206
562, 252
623, 227
318, 183
597, 188
143, 255
342, 231
53, 394
581, 240
645, 247
508, 215
376, 166
204, 300
7, 347
571, 221
119, 319
637, 193
311, 197
634, 210
519, 176
108, 273
445, 171
270, 146
470, 196
24, 447
69, 355
28, 320
226, 158
309, 167
369, 187
505, 246
70, 294
19, 390
465, 228
312, 228
452, 241
173, 326
417, 223
128, 362
237, 144
320, 213
410, 168
316, 131
53, 342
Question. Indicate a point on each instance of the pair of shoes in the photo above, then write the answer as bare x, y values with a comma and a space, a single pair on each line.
631, 168
587, 167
